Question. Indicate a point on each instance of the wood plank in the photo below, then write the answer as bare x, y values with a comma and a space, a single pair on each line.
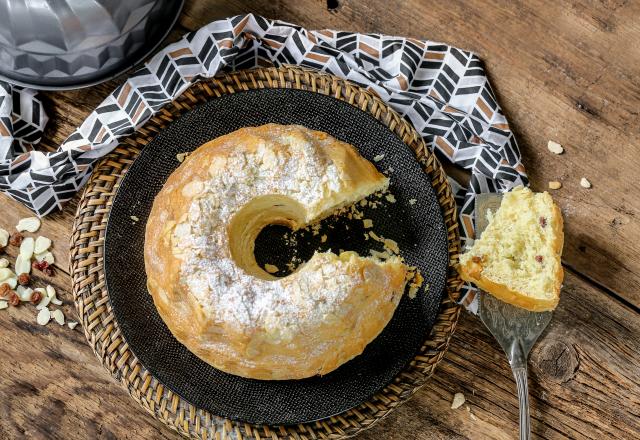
572, 76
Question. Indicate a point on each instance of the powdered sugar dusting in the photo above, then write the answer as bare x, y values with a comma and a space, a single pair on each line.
299, 170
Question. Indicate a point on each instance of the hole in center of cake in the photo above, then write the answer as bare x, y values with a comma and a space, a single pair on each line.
278, 250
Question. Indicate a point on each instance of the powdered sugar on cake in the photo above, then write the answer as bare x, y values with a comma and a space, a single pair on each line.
300, 172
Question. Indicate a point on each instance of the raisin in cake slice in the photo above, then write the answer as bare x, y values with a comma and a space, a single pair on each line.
517, 258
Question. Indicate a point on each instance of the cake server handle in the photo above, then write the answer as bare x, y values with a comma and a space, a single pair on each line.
519, 368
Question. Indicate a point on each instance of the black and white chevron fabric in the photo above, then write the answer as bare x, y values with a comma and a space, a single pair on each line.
443, 91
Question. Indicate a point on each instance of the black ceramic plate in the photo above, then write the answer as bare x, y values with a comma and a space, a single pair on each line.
414, 221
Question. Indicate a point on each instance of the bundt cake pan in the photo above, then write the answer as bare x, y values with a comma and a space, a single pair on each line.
68, 44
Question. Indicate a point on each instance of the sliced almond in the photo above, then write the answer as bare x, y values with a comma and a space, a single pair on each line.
555, 185
378, 158
458, 400
44, 316
271, 268
29, 224
584, 182
390, 198
3, 304
58, 316
26, 248
412, 201
134, 218
24, 293
44, 302
4, 263
51, 293
555, 147
23, 265
6, 273
192, 188
72, 324
42, 245
45, 256
4, 237
12, 282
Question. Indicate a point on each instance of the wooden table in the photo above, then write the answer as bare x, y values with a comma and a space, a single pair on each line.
568, 72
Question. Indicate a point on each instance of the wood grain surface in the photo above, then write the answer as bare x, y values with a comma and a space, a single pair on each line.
563, 71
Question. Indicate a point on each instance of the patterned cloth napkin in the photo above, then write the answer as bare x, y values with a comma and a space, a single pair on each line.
443, 91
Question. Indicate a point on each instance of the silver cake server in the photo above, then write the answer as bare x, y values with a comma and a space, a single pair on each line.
515, 329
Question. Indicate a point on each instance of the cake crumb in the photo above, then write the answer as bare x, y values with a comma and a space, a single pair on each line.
380, 255
555, 147
412, 201
367, 223
458, 401
554, 184
374, 236
323, 238
135, 218
181, 156
271, 268
378, 158
391, 198
415, 282
391, 245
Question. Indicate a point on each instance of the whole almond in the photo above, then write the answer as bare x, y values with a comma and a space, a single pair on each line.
14, 299
29, 224
36, 297
16, 239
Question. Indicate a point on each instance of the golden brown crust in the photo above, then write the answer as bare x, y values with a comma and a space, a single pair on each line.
251, 353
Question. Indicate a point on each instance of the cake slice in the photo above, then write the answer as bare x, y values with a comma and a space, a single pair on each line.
517, 258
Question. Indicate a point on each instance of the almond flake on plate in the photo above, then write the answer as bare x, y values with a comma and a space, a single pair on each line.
45, 256
42, 245
58, 316
458, 400
378, 158
23, 265
555, 185
3, 304
72, 324
181, 156
584, 182
134, 218
4, 237
29, 224
4, 262
412, 201
555, 147
44, 316
271, 268
26, 248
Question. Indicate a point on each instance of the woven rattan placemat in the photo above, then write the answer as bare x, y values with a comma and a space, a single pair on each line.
92, 298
